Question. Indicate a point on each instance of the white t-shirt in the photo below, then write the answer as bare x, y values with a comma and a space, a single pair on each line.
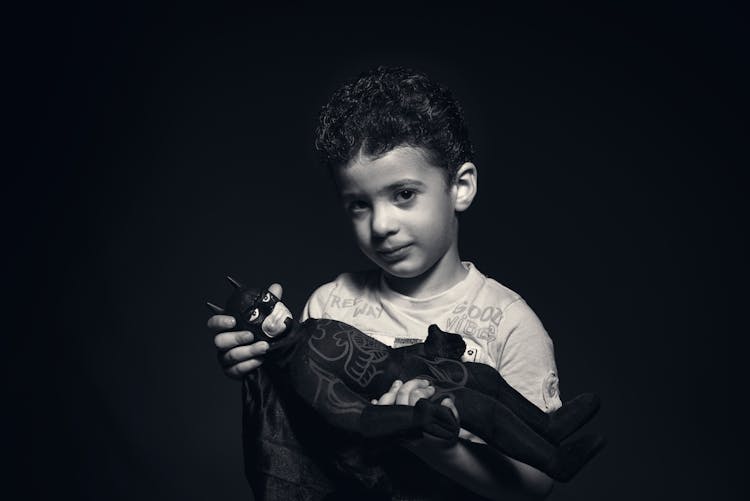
497, 325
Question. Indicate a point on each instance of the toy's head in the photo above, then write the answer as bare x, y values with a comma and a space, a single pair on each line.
249, 307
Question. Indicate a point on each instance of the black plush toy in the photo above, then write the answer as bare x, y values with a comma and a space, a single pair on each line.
338, 371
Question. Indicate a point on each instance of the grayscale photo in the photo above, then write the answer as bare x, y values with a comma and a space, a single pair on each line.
374, 252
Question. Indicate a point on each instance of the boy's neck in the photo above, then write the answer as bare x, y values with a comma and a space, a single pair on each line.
443, 275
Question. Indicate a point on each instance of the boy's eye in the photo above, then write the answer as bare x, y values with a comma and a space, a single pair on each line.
405, 195
266, 297
253, 315
356, 207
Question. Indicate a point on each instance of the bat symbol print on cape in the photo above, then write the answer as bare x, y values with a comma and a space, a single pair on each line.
338, 371
361, 353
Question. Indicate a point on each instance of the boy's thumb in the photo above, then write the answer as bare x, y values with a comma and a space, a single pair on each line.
276, 290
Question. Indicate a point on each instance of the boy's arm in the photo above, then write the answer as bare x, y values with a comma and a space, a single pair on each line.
475, 466
527, 357
527, 363
483, 470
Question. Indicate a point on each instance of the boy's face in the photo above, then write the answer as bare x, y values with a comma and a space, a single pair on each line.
401, 209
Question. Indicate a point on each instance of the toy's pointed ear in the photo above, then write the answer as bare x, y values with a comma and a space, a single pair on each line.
234, 283
443, 344
465, 186
215, 309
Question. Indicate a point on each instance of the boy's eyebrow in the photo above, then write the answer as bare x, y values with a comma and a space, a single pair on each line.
401, 183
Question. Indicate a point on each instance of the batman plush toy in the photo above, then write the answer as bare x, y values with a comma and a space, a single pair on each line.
338, 371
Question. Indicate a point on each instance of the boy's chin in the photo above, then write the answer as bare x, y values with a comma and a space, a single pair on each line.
401, 270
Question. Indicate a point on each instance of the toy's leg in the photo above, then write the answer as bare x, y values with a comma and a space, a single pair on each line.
555, 426
500, 427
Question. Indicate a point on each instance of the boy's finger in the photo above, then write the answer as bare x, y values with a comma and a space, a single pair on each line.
220, 322
402, 398
238, 371
420, 393
228, 340
276, 290
274, 324
243, 353
389, 397
415, 395
448, 402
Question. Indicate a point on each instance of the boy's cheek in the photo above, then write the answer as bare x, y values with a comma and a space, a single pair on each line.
360, 233
362, 241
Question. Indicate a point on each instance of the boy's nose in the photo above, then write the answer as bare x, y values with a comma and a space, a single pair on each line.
383, 223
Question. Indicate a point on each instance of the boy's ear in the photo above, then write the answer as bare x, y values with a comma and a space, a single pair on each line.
465, 186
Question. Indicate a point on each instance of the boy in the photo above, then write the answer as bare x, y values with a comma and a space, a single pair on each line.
398, 150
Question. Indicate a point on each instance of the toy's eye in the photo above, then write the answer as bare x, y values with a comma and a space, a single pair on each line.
267, 297
253, 315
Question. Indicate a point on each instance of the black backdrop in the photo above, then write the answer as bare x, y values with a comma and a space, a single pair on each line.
162, 147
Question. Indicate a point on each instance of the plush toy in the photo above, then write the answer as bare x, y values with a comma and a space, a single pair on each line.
338, 371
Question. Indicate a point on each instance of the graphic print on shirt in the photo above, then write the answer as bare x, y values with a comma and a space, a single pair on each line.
479, 322
551, 390
478, 325
473, 320
357, 306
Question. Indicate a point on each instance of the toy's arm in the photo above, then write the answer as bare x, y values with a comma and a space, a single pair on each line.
426, 416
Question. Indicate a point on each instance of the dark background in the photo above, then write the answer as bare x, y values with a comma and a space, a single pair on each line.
162, 147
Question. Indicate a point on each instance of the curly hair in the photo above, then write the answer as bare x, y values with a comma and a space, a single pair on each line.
389, 107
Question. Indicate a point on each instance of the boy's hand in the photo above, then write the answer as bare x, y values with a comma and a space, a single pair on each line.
236, 351
408, 393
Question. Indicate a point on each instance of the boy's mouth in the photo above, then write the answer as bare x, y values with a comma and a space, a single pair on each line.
394, 253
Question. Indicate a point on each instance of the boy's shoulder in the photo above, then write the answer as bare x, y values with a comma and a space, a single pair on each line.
503, 295
490, 289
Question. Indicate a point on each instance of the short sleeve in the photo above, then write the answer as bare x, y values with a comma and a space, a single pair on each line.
527, 361
316, 303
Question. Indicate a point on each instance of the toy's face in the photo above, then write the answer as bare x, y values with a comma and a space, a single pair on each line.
258, 308
401, 210
250, 307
